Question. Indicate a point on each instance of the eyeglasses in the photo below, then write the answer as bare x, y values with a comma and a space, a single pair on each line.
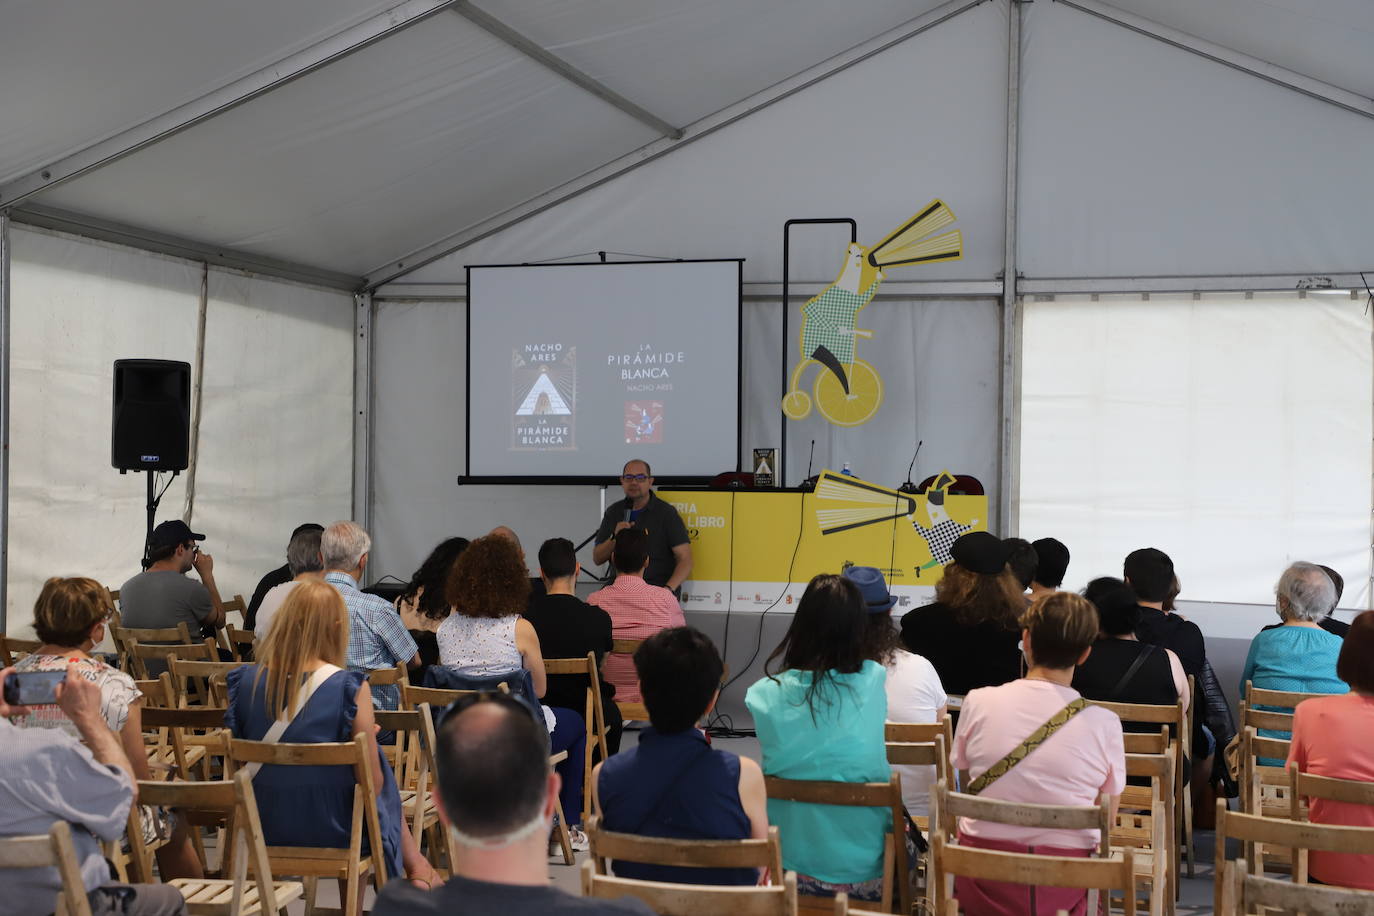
634, 478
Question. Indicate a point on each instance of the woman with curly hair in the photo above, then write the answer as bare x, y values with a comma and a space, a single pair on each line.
423, 605
485, 636
970, 634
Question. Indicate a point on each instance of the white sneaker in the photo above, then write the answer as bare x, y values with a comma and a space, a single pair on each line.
578, 839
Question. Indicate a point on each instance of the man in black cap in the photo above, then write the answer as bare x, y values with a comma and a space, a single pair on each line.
1052, 562
162, 595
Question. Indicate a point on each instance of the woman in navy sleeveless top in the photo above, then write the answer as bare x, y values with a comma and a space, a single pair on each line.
313, 806
673, 783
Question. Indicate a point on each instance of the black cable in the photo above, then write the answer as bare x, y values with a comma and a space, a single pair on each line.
721, 725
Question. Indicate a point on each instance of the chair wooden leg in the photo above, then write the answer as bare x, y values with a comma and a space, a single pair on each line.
1188, 827
564, 841
350, 892
312, 887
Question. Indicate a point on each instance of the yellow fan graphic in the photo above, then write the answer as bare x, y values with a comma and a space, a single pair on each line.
849, 391
847, 502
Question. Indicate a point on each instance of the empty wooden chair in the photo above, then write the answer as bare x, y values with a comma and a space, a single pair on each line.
176, 728
198, 682
241, 642
12, 649
346, 864
607, 846
436, 698
233, 801
415, 774
51, 850
951, 860
917, 754
693, 899
864, 795
593, 715
1144, 822
1244, 892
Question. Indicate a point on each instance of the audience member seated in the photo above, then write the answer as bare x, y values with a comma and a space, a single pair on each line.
970, 633
1081, 757
1022, 561
485, 637
672, 783
1298, 655
377, 639
570, 628
1334, 736
46, 776
70, 617
503, 531
423, 604
272, 580
913, 688
821, 717
638, 610
161, 596
1329, 623
495, 795
1121, 668
313, 806
1052, 562
304, 563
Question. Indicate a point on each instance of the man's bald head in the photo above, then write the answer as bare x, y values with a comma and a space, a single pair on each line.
493, 763
501, 531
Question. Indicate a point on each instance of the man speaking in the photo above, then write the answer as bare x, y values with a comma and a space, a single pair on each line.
670, 551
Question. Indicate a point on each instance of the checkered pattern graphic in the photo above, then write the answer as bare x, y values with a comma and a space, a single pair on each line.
376, 636
941, 538
830, 321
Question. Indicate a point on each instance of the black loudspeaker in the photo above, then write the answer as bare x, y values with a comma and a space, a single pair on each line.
151, 424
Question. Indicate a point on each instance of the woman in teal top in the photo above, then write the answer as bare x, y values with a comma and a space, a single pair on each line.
1298, 655
821, 717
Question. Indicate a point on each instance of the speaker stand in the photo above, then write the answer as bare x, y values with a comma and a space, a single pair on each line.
154, 499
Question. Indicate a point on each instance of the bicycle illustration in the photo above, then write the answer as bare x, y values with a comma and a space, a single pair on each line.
848, 391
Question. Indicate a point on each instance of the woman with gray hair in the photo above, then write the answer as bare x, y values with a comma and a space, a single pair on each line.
1298, 655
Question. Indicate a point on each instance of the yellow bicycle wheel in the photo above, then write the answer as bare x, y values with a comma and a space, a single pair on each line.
796, 404
859, 405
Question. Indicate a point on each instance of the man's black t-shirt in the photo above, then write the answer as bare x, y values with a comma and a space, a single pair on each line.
965, 657
665, 530
1173, 632
459, 896
569, 628
268, 582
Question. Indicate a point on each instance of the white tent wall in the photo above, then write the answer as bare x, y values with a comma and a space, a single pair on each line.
275, 444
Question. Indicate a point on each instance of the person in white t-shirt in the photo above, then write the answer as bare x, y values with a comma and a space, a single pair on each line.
303, 557
914, 693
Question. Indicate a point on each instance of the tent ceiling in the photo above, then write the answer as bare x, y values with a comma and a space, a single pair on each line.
441, 126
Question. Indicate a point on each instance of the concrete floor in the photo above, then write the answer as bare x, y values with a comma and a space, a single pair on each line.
1195, 894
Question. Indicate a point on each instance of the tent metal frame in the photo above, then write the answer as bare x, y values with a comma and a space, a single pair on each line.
4, 418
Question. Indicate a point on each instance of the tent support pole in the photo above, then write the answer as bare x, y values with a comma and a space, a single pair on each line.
1008, 401
5, 250
362, 409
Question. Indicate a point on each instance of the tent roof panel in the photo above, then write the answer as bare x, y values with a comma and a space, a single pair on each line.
683, 61
76, 72
365, 159
1329, 40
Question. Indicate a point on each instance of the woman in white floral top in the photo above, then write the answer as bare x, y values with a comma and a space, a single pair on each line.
70, 617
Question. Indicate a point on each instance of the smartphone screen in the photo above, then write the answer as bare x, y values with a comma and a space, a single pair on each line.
33, 688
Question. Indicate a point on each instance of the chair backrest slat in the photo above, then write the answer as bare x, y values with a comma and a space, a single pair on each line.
1112, 873
1286, 699
649, 850
668, 899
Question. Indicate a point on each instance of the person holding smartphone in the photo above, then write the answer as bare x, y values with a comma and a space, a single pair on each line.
46, 776
162, 595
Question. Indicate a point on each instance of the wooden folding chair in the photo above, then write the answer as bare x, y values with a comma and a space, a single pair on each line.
1176, 717
1244, 892
1144, 822
593, 715
12, 649
933, 753
348, 865
947, 807
628, 708
157, 692
241, 642
415, 774
437, 697
920, 732
1298, 837
233, 801
668, 899
206, 681
863, 795
606, 846
1105, 875
51, 850
1306, 786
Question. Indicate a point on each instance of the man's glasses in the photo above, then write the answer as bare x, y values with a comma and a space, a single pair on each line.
634, 478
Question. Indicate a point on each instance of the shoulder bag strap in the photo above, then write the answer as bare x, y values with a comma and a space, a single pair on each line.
1034, 740
279, 727
1130, 672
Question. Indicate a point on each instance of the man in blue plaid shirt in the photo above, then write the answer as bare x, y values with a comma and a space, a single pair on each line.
376, 636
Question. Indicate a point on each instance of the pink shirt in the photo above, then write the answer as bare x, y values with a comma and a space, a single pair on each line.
1075, 765
638, 610
1334, 736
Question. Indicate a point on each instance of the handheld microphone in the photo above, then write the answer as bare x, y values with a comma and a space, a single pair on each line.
629, 512
910, 487
810, 482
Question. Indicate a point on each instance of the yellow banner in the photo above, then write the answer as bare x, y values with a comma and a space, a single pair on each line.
751, 538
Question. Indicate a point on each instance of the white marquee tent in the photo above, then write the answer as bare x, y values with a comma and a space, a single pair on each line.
286, 195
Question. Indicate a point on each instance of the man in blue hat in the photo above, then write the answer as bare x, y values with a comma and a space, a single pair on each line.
162, 595
914, 692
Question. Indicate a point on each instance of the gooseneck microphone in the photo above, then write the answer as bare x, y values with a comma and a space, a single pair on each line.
810, 482
910, 487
